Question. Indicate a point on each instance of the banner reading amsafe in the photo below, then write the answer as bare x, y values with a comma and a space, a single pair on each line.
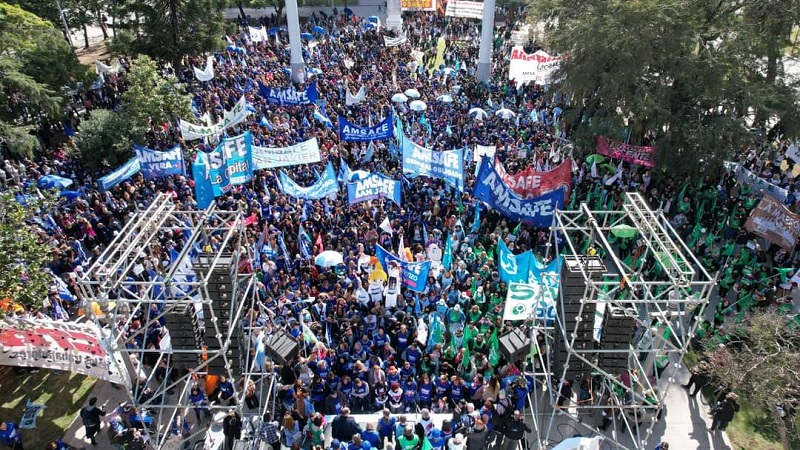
774, 222
538, 67
418, 5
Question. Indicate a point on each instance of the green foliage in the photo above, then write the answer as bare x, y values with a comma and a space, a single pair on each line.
690, 76
152, 98
168, 30
105, 139
35, 63
24, 254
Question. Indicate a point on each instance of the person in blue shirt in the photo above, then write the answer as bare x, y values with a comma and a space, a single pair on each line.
10, 436
369, 435
358, 353
442, 387
403, 337
425, 391
392, 375
346, 386
380, 338
413, 354
386, 425
409, 394
365, 342
224, 392
407, 371
359, 399
58, 444
198, 399
332, 381
436, 439
319, 390
457, 389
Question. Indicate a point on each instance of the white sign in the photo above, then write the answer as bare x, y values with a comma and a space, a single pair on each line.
206, 74
793, 152
394, 42
238, 114
526, 299
538, 67
468, 10
258, 34
303, 153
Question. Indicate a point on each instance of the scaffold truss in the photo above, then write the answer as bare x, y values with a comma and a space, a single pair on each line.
168, 293
632, 294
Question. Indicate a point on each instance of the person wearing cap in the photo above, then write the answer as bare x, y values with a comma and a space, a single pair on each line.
408, 440
436, 439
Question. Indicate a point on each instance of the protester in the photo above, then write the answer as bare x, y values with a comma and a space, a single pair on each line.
91, 415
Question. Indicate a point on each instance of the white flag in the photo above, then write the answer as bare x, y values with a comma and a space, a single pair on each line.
386, 226
356, 99
206, 74
594, 169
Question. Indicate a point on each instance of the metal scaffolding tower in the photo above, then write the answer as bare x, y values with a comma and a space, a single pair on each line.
628, 309
158, 274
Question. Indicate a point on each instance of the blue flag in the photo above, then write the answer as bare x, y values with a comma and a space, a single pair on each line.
370, 153
513, 267
447, 256
476, 223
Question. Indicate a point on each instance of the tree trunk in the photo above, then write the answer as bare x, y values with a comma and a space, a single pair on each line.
85, 36
240, 4
786, 440
103, 26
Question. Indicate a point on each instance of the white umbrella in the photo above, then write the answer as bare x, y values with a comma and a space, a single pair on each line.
417, 105
412, 93
448, 70
505, 113
580, 443
329, 258
478, 112
399, 98
445, 98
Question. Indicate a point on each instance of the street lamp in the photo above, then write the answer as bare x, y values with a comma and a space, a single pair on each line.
64, 22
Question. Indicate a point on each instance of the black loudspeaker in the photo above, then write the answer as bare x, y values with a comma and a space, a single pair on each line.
618, 328
515, 345
281, 347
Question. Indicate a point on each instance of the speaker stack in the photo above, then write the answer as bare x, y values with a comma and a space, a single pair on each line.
577, 322
281, 347
618, 328
185, 336
222, 290
515, 345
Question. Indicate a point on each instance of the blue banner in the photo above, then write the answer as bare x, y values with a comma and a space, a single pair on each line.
227, 165
354, 133
157, 164
414, 274
490, 189
116, 177
374, 186
447, 165
325, 186
289, 96
513, 267
549, 275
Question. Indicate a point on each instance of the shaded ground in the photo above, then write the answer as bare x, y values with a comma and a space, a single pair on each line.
63, 394
96, 51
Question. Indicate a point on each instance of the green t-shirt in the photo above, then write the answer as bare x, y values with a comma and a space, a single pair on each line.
408, 444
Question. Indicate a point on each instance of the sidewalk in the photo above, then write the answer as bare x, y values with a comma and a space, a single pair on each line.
108, 399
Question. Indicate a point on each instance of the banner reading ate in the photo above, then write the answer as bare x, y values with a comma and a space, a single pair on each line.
531, 183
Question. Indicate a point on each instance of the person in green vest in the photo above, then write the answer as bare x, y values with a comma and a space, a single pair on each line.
409, 440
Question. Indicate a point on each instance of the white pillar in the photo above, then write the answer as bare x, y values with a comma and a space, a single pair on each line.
487, 43
293, 25
394, 15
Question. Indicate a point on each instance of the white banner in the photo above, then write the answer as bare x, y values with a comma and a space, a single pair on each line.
103, 69
258, 34
66, 346
468, 10
351, 99
238, 114
303, 153
793, 152
394, 42
538, 67
206, 74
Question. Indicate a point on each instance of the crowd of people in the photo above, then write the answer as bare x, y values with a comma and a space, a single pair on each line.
364, 356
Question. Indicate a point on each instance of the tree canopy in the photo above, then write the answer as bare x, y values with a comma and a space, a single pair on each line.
168, 30
35, 64
693, 78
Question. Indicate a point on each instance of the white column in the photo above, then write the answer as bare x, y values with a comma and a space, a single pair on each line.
487, 43
293, 25
394, 15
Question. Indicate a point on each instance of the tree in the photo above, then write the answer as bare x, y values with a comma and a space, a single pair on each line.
168, 30
153, 98
105, 139
35, 63
690, 77
24, 254
258, 4
763, 367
